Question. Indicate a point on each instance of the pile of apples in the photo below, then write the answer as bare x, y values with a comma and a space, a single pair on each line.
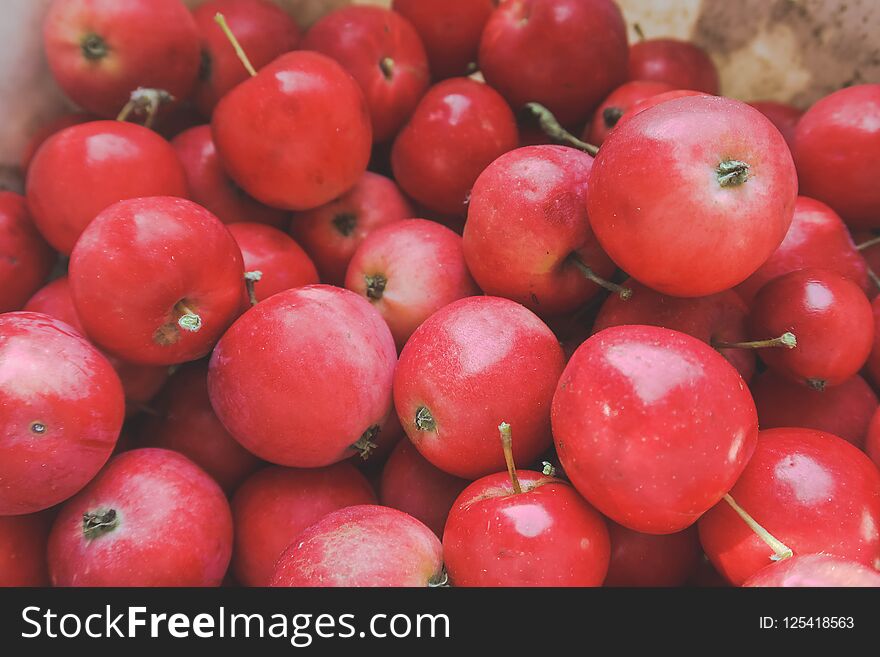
319, 295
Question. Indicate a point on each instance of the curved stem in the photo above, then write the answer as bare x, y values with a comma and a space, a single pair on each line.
507, 446
868, 244
623, 292
250, 280
220, 19
188, 319
787, 340
144, 100
553, 129
874, 278
780, 550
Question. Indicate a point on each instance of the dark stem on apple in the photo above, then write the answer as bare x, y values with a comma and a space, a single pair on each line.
868, 244
780, 550
251, 278
187, 319
97, 523
146, 101
424, 419
345, 222
553, 129
817, 384
375, 286
623, 292
365, 444
507, 446
220, 19
386, 64
638, 30
732, 173
611, 115
93, 47
787, 340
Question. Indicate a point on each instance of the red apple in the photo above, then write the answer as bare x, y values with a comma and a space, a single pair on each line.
815, 570
25, 258
650, 559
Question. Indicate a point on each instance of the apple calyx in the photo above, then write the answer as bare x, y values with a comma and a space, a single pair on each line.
507, 446
439, 580
386, 65
145, 101
365, 445
787, 340
93, 47
187, 319
250, 281
611, 115
553, 129
375, 286
345, 222
220, 19
38, 428
817, 384
623, 292
732, 173
99, 522
548, 469
424, 420
780, 550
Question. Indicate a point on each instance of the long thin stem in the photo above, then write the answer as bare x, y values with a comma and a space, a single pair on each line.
507, 446
623, 292
869, 243
220, 19
250, 281
780, 550
553, 129
787, 340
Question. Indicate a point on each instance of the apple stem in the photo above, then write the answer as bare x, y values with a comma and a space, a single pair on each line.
873, 276
375, 286
507, 446
553, 129
787, 340
780, 550
365, 444
144, 100
868, 244
548, 469
637, 28
386, 64
623, 292
220, 19
250, 280
188, 320
96, 523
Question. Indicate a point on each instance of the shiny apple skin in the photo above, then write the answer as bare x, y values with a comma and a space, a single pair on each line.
548, 51
275, 505
364, 545
296, 135
784, 117
302, 376
829, 315
527, 218
23, 549
25, 258
545, 536
811, 490
683, 233
652, 426
655, 560
63, 410
815, 570
719, 317
476, 363
678, 63
174, 526
619, 102
114, 161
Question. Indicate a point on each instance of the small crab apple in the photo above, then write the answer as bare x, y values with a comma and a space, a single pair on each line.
678, 63
408, 271
872, 442
47, 130
815, 570
652, 101
616, 105
25, 258
114, 161
330, 234
275, 505
708, 221
150, 518
829, 315
23, 549
156, 280
364, 545
317, 343
652, 559
523, 528
627, 383
63, 410
466, 368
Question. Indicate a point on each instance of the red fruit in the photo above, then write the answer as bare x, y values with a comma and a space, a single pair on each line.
102, 50
408, 271
456, 130
830, 317
210, 186
384, 53
304, 378
565, 54
836, 146
652, 560
815, 570
473, 364
678, 63
23, 550
82, 170
617, 104
156, 280
542, 535
450, 31
362, 546
844, 410
716, 319
25, 259
262, 28
872, 442
389, 435
274, 506
184, 421
652, 426
784, 117
63, 409
297, 134
331, 233
150, 518
811, 490
282, 263
872, 366
652, 101
817, 237
412, 485
692, 196
527, 235
47, 130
